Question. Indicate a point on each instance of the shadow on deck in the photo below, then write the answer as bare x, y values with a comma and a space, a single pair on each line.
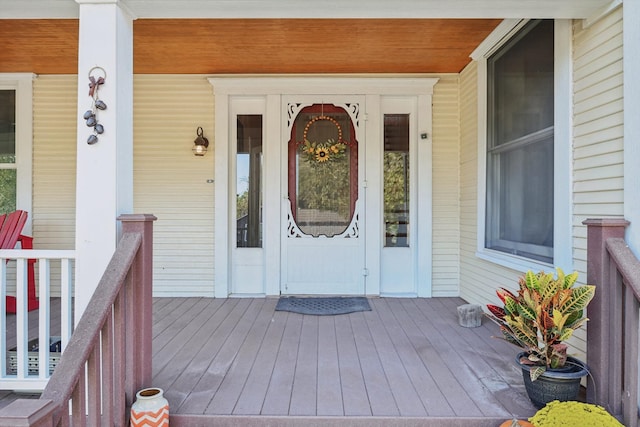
229, 362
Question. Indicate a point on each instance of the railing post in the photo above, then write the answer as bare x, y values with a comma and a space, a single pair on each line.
600, 311
142, 304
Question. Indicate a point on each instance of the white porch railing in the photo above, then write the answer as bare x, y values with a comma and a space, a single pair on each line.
19, 378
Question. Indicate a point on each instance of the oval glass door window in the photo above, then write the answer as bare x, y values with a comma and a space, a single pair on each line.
323, 170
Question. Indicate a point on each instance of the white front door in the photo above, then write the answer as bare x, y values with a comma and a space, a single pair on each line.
319, 193
323, 247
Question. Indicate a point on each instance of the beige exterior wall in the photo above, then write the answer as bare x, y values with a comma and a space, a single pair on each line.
598, 146
597, 156
171, 183
446, 180
54, 161
54, 166
478, 278
598, 167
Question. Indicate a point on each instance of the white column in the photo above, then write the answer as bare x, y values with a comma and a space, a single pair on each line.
104, 176
631, 34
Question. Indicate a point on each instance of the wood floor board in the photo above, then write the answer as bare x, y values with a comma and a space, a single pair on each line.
225, 399
33, 325
189, 365
354, 391
461, 359
159, 303
278, 396
252, 397
381, 398
175, 315
329, 384
426, 388
498, 375
198, 327
407, 362
305, 381
220, 365
452, 385
181, 323
403, 389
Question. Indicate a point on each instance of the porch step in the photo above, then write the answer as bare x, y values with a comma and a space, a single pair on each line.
298, 421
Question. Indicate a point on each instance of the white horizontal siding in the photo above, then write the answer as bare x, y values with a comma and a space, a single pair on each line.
598, 156
598, 125
478, 278
446, 228
54, 166
171, 183
54, 161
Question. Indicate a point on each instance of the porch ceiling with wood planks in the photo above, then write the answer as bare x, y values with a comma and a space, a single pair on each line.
258, 46
277, 36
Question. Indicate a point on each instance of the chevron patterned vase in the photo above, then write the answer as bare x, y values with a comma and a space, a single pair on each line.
150, 409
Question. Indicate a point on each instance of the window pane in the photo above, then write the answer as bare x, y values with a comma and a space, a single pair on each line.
520, 162
396, 180
324, 170
7, 126
248, 181
7, 190
522, 82
526, 202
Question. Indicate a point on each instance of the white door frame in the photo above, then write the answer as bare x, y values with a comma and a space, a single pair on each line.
272, 89
347, 277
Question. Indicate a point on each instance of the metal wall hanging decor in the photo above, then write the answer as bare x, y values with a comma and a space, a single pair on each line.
97, 76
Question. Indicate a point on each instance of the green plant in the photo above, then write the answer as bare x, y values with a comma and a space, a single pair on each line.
573, 414
545, 312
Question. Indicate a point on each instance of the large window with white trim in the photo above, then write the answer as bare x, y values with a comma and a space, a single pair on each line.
520, 144
16, 116
7, 150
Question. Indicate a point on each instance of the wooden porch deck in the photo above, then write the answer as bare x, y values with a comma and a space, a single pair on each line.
229, 362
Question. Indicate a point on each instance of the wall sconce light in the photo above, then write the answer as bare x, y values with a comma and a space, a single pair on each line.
200, 144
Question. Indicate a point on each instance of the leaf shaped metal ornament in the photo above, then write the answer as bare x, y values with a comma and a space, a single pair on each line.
100, 105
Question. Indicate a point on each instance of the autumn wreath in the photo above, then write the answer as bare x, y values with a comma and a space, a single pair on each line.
325, 151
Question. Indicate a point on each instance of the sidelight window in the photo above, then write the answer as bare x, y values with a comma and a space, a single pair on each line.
396, 180
249, 181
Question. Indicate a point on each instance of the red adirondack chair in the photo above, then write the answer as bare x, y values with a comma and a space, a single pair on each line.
10, 234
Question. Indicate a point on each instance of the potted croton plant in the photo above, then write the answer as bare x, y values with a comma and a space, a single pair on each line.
539, 318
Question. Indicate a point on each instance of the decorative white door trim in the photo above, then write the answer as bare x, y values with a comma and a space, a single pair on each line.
273, 88
319, 263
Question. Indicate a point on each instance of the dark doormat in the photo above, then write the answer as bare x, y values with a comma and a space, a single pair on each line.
323, 306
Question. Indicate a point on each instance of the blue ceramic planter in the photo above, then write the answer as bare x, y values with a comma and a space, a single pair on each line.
561, 384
